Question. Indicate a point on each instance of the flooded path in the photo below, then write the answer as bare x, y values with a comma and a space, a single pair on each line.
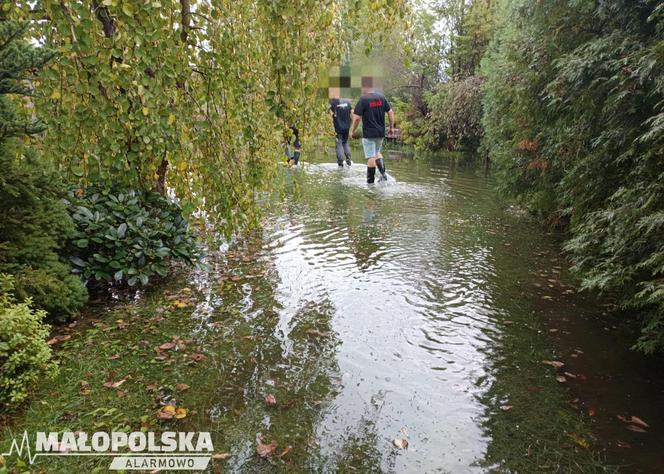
419, 310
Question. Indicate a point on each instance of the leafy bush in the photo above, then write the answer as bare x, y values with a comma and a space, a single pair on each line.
35, 223
455, 115
126, 236
25, 357
574, 121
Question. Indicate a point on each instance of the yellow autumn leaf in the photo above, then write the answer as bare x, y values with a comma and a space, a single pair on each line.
55, 95
146, 111
168, 409
171, 119
180, 413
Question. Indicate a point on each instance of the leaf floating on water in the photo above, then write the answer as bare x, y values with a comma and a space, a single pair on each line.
638, 421
270, 400
623, 444
401, 443
636, 428
553, 363
265, 450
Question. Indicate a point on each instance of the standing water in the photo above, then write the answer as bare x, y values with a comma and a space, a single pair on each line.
416, 326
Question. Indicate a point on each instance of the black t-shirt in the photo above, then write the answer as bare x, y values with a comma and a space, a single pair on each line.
341, 109
372, 108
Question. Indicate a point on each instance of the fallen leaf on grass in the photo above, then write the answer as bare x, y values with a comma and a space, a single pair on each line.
553, 363
285, 451
166, 413
221, 456
570, 375
180, 413
197, 357
166, 346
579, 440
114, 357
506, 407
58, 339
110, 384
85, 389
270, 400
181, 387
68, 416
315, 332
265, 450
122, 393
401, 443
561, 379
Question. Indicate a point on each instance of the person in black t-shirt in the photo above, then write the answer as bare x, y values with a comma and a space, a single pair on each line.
371, 109
341, 110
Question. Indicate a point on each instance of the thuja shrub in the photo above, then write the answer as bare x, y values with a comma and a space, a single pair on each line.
126, 236
25, 357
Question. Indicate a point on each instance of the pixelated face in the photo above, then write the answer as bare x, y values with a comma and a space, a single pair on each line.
350, 81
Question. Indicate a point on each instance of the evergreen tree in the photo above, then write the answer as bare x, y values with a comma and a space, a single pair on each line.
35, 223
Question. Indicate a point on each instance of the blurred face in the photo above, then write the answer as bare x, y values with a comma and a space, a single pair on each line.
334, 92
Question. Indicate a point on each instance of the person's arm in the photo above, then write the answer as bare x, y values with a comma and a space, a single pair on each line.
356, 122
390, 116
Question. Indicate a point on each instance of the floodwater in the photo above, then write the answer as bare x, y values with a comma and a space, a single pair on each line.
422, 309
415, 326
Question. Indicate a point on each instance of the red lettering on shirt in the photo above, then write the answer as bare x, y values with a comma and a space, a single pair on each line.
375, 103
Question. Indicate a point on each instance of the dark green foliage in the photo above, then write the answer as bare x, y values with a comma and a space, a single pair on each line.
35, 222
127, 236
574, 121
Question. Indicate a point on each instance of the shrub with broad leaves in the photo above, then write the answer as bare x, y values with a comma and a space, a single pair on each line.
127, 236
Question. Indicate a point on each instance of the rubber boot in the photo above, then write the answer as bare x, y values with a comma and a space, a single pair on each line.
371, 175
381, 167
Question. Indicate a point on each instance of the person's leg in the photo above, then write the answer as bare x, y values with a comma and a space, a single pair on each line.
380, 163
339, 149
346, 147
370, 154
296, 156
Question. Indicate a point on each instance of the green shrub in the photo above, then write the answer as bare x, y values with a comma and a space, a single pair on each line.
455, 116
25, 357
35, 223
126, 236
574, 122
